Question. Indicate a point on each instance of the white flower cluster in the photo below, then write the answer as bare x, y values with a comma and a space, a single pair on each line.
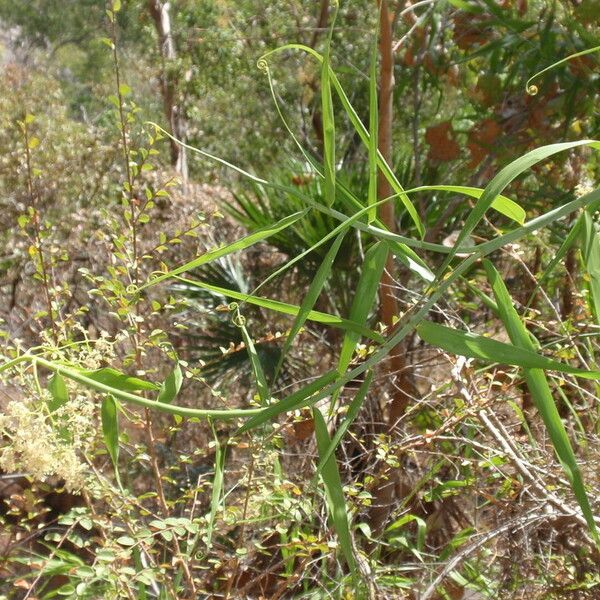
90, 354
585, 186
43, 444
101, 351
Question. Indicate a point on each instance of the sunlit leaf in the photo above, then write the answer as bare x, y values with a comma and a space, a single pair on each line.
110, 431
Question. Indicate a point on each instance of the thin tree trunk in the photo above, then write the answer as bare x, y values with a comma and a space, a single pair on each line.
388, 303
321, 23
388, 481
172, 109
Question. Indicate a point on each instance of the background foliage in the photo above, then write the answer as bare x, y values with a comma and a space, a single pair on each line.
199, 375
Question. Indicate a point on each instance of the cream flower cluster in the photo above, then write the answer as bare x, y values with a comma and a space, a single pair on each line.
585, 186
45, 445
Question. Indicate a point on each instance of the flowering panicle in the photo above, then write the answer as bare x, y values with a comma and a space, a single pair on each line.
44, 445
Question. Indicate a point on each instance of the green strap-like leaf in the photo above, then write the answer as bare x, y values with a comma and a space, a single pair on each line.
352, 413
312, 295
259, 375
484, 348
591, 260
509, 208
410, 260
293, 401
336, 503
502, 179
245, 242
328, 120
542, 396
110, 431
373, 134
217, 489
287, 309
364, 298
381, 162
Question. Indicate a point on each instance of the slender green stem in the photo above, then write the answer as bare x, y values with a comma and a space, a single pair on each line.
172, 409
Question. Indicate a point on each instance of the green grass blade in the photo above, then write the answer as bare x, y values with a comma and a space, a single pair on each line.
590, 201
416, 316
259, 374
485, 299
591, 259
542, 396
360, 129
312, 295
381, 162
171, 386
251, 239
373, 134
217, 489
364, 298
110, 431
410, 260
334, 492
287, 309
502, 180
484, 348
571, 238
328, 122
509, 208
293, 401
517, 332
352, 413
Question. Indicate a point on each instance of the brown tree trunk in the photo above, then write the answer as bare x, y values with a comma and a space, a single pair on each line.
321, 23
388, 482
388, 303
172, 109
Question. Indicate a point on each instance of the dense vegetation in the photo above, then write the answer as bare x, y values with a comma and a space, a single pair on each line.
299, 299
